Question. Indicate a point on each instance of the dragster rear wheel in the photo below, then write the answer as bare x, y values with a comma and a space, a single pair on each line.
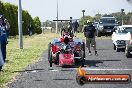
83, 47
49, 53
82, 62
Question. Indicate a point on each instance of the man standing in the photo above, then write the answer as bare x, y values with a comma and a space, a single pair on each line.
7, 27
3, 36
90, 33
1, 58
30, 29
75, 26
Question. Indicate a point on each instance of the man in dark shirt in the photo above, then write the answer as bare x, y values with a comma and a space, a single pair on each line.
90, 33
75, 26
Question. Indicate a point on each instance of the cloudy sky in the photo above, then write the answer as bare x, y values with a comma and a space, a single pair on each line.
46, 9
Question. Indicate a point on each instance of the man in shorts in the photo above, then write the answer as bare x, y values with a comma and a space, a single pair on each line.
90, 33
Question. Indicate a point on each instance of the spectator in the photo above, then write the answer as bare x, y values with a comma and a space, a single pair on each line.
90, 33
30, 30
1, 59
3, 37
7, 27
70, 29
75, 26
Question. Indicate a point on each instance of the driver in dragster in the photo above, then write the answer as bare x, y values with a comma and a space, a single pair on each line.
68, 29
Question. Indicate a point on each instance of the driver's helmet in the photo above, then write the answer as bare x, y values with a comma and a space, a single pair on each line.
66, 40
65, 34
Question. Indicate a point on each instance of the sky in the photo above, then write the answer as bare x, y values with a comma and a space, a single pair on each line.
47, 9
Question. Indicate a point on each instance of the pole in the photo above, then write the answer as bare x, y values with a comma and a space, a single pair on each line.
83, 19
83, 16
20, 25
122, 10
57, 19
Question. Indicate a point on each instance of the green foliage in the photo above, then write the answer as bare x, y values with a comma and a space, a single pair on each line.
27, 20
10, 12
127, 17
97, 17
2, 9
37, 25
85, 20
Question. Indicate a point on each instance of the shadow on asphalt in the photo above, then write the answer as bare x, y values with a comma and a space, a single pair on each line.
103, 49
93, 63
62, 79
55, 79
29, 70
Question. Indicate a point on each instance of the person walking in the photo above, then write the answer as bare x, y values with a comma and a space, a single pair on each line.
1, 46
90, 33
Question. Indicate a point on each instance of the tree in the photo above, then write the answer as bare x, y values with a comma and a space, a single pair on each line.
1, 8
97, 17
37, 25
10, 12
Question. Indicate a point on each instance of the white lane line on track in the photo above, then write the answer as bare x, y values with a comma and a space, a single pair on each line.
104, 69
34, 71
88, 69
54, 70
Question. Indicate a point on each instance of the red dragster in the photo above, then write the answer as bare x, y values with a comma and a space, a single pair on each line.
66, 51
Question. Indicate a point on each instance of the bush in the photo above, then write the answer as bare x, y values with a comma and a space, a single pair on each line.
37, 25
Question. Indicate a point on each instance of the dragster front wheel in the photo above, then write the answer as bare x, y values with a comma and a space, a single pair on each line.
80, 80
50, 61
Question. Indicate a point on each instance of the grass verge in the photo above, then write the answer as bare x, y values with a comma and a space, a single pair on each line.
19, 59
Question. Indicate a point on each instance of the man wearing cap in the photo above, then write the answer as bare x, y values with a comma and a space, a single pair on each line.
90, 33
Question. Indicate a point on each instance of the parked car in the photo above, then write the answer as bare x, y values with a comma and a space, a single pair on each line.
121, 36
106, 24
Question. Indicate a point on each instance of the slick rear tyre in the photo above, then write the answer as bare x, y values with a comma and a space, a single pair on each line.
49, 53
83, 47
82, 62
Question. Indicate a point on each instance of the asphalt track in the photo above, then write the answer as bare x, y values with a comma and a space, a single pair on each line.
40, 75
